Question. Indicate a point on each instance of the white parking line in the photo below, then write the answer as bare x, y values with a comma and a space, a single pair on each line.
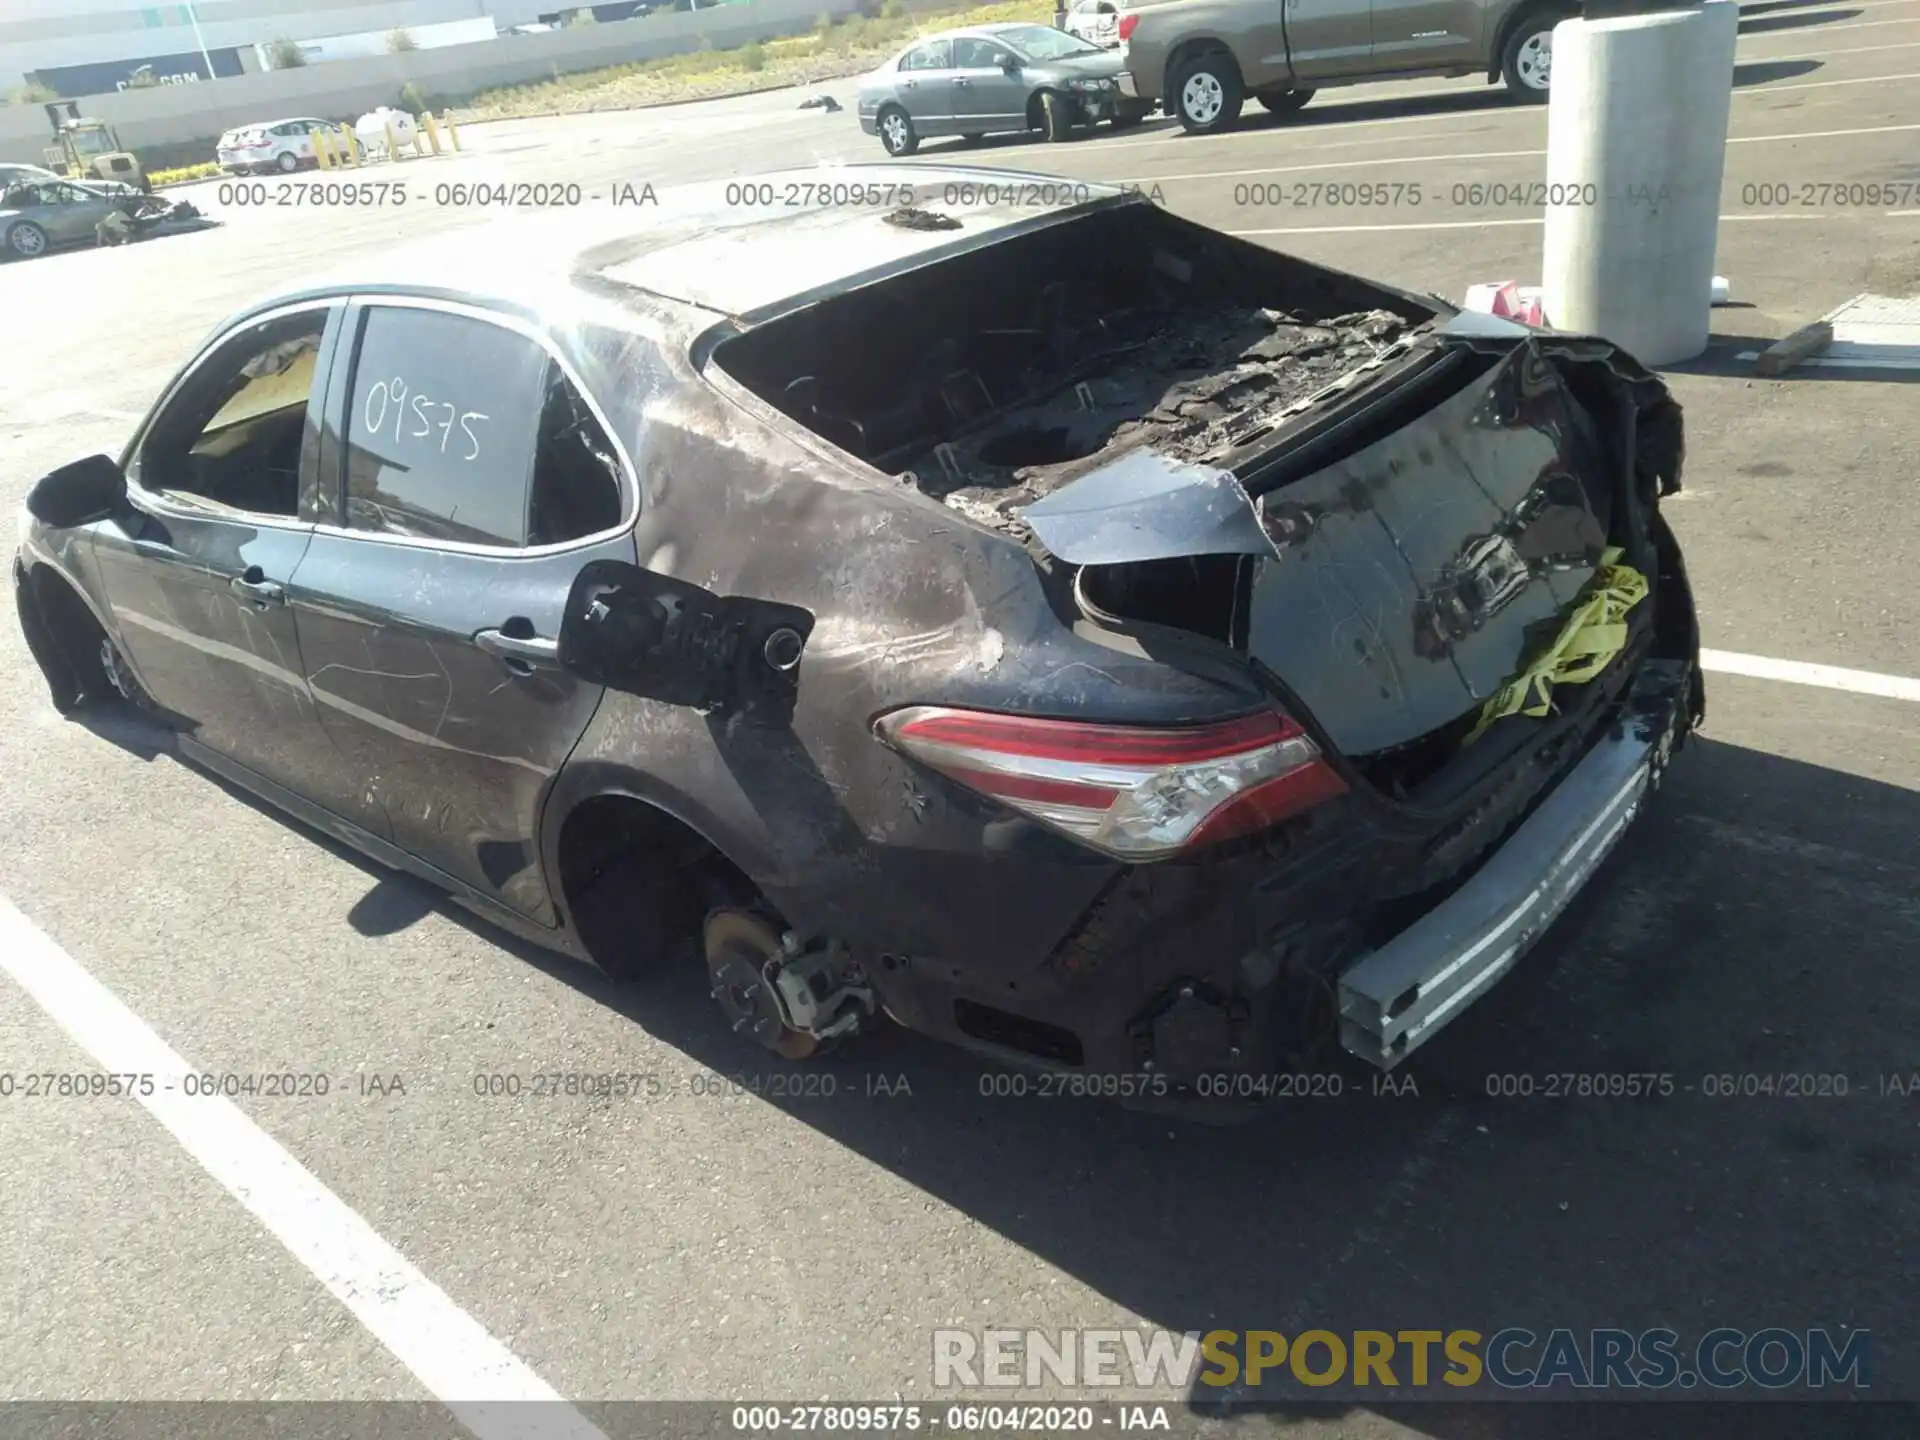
1383, 229
1800, 672
1830, 84
1828, 55
1768, 216
1382, 161
1818, 30
476, 1377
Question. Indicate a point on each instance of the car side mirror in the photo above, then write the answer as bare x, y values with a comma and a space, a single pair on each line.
1010, 64
78, 493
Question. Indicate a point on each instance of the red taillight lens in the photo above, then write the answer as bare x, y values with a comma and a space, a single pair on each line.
1128, 23
1134, 792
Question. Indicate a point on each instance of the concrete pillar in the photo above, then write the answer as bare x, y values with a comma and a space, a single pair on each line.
1636, 148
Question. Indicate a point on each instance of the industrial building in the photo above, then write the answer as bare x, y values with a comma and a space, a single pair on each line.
91, 47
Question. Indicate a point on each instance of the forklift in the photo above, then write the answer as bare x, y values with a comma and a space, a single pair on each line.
89, 149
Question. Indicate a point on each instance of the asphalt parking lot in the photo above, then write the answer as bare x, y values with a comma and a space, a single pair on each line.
715, 1243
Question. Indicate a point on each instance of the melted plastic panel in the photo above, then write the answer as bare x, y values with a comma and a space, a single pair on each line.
1417, 574
1146, 507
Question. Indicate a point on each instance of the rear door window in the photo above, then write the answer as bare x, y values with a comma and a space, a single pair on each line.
934, 55
972, 54
576, 473
446, 416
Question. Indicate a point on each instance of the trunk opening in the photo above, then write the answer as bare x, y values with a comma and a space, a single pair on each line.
1391, 548
997, 376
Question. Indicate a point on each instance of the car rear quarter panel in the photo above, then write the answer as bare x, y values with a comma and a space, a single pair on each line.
913, 604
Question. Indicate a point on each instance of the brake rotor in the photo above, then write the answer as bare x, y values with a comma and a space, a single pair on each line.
738, 945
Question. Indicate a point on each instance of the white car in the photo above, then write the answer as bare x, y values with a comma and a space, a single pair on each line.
283, 145
1095, 21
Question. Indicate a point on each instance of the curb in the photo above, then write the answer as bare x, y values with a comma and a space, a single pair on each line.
669, 104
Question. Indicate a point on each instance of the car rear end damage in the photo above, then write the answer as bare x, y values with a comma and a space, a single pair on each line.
1337, 518
1371, 511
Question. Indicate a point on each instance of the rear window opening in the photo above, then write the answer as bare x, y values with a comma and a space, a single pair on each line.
993, 378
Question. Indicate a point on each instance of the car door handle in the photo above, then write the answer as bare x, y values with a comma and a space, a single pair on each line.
253, 584
521, 652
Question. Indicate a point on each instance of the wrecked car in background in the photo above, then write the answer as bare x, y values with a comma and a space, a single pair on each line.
37, 216
1159, 668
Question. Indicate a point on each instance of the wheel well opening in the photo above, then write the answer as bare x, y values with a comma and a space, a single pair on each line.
639, 883
68, 643
1191, 50
1513, 22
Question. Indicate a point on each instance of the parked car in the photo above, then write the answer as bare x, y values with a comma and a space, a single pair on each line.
1201, 59
36, 217
282, 145
11, 175
1095, 21
989, 80
1088, 664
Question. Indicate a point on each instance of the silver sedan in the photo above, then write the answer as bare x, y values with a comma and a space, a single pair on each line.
38, 215
991, 79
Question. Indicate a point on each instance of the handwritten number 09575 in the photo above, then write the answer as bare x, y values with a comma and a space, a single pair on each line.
393, 395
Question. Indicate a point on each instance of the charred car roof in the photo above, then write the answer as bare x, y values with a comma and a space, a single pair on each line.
749, 249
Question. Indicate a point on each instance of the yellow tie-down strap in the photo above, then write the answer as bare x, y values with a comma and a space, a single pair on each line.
1592, 636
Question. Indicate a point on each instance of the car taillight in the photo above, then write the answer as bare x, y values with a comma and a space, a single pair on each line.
1133, 792
1128, 23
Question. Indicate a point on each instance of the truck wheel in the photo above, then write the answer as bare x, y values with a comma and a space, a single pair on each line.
1283, 102
1056, 116
27, 240
1526, 63
1206, 92
896, 131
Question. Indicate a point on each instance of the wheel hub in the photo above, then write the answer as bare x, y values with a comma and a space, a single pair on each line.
1202, 98
117, 675
741, 949
1536, 61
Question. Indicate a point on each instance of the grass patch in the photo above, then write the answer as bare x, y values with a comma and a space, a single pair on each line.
182, 173
831, 50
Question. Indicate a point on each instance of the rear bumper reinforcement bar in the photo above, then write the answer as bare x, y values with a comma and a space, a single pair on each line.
1396, 998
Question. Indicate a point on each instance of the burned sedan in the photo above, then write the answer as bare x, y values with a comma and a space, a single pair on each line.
1161, 668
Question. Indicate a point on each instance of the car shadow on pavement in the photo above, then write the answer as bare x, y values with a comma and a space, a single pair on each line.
1759, 920
1766, 24
1766, 72
1768, 7
1326, 111
122, 726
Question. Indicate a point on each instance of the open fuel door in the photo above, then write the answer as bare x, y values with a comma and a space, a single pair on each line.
664, 639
